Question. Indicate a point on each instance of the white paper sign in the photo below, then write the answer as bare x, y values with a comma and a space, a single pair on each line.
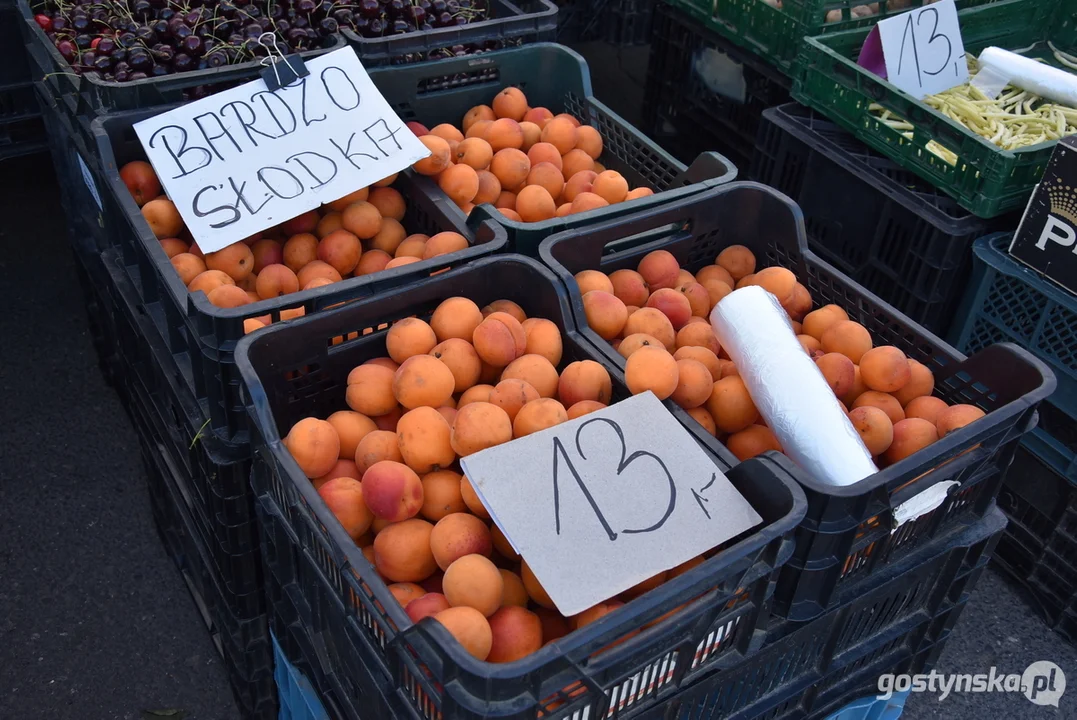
246, 159
922, 51
601, 503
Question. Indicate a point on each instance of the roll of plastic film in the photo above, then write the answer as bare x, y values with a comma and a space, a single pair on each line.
788, 388
1027, 74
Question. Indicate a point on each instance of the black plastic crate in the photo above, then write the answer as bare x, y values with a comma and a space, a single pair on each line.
884, 227
202, 337
849, 531
622, 23
212, 477
684, 107
13, 65
244, 645
1039, 549
511, 23
558, 79
898, 624
292, 372
21, 129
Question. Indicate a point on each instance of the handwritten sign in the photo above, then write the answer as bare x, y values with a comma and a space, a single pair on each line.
246, 159
601, 503
920, 51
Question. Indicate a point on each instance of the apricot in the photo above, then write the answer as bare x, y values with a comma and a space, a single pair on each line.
532, 135
460, 183
511, 166
858, 389
611, 186
539, 116
654, 369
584, 380
489, 188
543, 338
389, 420
874, 427
513, 593
462, 360
471, 499
629, 286
475, 153
370, 390
423, 380
921, 382
698, 335
885, 369
535, 203
188, 267
479, 129
673, 305
389, 237
173, 247
314, 445
538, 415
577, 162
542, 152
587, 201
737, 260
480, 425
699, 298
536, 371
411, 246
409, 337
731, 405
516, 631
427, 605
406, 592
910, 435
499, 339
402, 551
534, 588
592, 614
317, 269
589, 140
423, 436
577, 184
510, 103
584, 407
446, 131
470, 629
459, 534
473, 581
230, 296
751, 441
163, 218
606, 314
659, 269
475, 114
512, 394
652, 321
956, 417
475, 393
392, 490
341, 203
505, 306
715, 273
342, 468
560, 133
634, 342
344, 498
887, 403
701, 416
438, 159
548, 176
694, 384
456, 317
925, 407
351, 427
849, 338
274, 281
444, 243
839, 371
372, 261
703, 355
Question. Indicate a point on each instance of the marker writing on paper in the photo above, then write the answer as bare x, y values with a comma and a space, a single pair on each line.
910, 35
560, 455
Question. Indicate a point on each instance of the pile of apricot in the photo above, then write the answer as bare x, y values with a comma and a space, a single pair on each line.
530, 164
462, 381
359, 234
656, 316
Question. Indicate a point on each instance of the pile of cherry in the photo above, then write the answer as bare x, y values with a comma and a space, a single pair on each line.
126, 40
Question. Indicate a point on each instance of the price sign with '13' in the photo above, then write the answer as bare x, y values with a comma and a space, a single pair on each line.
921, 50
606, 501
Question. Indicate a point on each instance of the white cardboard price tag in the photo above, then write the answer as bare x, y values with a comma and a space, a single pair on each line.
601, 503
246, 159
920, 51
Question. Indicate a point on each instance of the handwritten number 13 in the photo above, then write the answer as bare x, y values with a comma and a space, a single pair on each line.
910, 34
559, 455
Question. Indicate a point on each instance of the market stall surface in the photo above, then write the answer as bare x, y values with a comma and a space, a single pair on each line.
95, 621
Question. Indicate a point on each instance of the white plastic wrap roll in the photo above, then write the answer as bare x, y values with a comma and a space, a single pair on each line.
788, 389
1025, 73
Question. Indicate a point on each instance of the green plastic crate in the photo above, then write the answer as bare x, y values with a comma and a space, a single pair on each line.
777, 34
986, 180
557, 78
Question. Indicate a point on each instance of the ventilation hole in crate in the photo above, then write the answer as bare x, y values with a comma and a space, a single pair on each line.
457, 80
644, 684
1069, 527
1059, 425
420, 699
716, 642
1015, 306
554, 705
857, 562
1059, 338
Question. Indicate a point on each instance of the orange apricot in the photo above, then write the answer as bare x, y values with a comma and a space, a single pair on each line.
584, 380
887, 403
925, 407
589, 140
402, 551
885, 369
409, 337
921, 382
315, 446
351, 427
510, 103
444, 243
956, 417
694, 383
473, 581
839, 371
910, 435
538, 415
457, 535
874, 427
654, 369
611, 186
751, 441
438, 159
478, 426
577, 162
499, 339
737, 260
470, 629
849, 338
731, 405
659, 269
423, 437
535, 203
474, 152
561, 133
511, 167
370, 390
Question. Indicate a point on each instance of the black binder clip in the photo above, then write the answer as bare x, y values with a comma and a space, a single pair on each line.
280, 70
